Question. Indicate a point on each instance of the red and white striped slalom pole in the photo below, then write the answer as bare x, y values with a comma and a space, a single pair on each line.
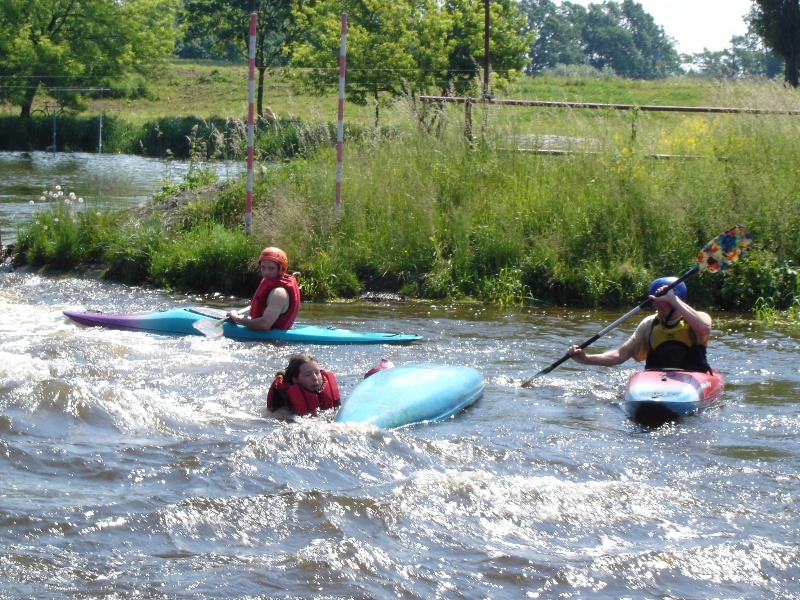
248, 216
340, 127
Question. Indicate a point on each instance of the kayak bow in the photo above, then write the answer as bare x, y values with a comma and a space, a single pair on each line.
653, 396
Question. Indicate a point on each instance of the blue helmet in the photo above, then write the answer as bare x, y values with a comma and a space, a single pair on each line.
680, 289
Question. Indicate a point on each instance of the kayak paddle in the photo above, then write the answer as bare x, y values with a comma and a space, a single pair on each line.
715, 256
212, 328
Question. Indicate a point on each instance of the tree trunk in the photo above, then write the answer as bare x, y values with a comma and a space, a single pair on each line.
377, 110
792, 26
792, 65
27, 103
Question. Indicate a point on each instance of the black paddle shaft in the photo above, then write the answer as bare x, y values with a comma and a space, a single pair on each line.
623, 318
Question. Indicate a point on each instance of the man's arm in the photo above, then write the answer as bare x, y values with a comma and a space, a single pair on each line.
609, 358
277, 304
700, 322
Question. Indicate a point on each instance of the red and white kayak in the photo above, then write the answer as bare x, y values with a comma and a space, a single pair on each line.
653, 396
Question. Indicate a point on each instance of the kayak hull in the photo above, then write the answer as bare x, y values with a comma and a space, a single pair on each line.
411, 394
669, 395
180, 321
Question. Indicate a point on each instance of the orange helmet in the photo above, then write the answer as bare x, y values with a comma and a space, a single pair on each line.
275, 255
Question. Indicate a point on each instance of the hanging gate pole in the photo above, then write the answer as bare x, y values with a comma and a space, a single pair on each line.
248, 217
340, 126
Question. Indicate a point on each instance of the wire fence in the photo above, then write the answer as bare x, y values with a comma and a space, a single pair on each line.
469, 102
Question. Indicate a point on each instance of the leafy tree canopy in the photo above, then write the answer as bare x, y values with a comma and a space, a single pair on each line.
620, 36
745, 57
79, 44
558, 33
395, 46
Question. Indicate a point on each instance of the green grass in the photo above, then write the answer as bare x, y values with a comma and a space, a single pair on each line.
204, 89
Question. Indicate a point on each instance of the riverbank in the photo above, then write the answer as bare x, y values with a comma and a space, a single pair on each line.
497, 217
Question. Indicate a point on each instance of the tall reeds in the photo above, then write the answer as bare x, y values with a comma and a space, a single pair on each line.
438, 216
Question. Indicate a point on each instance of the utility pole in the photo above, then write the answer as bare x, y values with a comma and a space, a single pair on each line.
486, 24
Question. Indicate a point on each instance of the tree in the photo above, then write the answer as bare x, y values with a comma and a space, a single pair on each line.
225, 26
626, 38
659, 57
619, 36
708, 63
400, 46
746, 57
381, 47
79, 43
557, 31
777, 22
508, 42
749, 58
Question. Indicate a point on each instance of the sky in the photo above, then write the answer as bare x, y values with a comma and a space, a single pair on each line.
696, 24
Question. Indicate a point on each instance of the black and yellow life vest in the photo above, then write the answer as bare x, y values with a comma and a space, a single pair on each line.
675, 346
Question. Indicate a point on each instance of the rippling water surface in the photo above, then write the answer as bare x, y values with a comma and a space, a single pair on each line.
144, 466
110, 181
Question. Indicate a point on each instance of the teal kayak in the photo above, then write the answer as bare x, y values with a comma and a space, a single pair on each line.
181, 321
411, 394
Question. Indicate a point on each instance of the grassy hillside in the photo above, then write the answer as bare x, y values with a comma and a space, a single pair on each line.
217, 89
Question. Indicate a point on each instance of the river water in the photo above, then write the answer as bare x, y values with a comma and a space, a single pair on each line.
110, 181
143, 466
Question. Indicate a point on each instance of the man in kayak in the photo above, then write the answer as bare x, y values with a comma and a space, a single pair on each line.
675, 337
277, 299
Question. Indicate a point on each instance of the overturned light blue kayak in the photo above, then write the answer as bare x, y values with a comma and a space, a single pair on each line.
181, 321
411, 394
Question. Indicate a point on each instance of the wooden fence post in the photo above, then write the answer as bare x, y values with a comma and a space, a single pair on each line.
468, 120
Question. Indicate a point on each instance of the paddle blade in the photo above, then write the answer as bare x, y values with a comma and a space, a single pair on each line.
209, 328
528, 383
725, 249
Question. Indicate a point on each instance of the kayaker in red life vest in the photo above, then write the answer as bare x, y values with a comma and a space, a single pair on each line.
675, 337
303, 387
277, 299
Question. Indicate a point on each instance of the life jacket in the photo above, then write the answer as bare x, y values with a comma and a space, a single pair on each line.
301, 401
259, 303
675, 347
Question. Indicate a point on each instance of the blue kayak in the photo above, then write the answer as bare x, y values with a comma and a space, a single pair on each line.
182, 321
411, 394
